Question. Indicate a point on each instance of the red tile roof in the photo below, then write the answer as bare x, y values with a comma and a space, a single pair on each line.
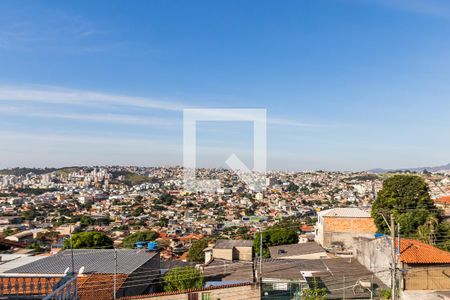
415, 252
191, 237
307, 228
27, 285
443, 200
184, 257
9, 243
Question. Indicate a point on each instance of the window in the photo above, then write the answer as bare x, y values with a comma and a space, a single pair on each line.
193, 296
206, 296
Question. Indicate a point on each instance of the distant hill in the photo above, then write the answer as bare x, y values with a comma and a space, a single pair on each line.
37, 171
442, 168
24, 171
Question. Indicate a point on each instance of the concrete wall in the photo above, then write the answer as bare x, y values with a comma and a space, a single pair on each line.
244, 253
236, 253
375, 255
226, 293
226, 254
346, 238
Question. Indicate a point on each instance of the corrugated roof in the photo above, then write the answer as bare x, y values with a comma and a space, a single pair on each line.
295, 249
93, 261
19, 260
345, 212
415, 252
229, 244
225, 270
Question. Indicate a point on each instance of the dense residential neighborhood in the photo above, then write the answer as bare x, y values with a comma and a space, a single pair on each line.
124, 230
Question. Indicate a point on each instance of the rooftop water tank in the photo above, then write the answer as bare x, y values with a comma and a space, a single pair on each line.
152, 246
140, 245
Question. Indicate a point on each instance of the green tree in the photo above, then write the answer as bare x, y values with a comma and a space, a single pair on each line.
89, 240
266, 242
36, 247
142, 236
315, 293
435, 233
164, 199
283, 236
49, 236
242, 230
138, 211
8, 231
196, 251
86, 221
162, 222
273, 237
183, 278
292, 187
103, 221
30, 214
443, 232
428, 231
407, 198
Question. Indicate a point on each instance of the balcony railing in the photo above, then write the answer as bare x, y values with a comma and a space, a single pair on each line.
65, 290
38, 287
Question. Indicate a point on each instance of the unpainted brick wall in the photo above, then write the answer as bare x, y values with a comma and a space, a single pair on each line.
363, 225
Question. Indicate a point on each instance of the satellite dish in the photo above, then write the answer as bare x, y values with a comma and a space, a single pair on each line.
81, 270
66, 271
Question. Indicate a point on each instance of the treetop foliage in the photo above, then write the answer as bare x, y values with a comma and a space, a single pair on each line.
183, 278
273, 237
89, 240
196, 251
407, 198
142, 236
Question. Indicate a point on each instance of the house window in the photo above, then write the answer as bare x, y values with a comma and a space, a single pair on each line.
193, 296
206, 296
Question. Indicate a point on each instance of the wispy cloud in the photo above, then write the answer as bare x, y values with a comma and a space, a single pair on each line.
85, 139
55, 95
58, 95
20, 30
292, 123
97, 117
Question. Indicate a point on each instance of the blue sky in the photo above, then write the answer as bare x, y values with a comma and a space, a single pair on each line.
347, 84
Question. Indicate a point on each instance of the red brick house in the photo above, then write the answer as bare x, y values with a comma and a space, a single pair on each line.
342, 225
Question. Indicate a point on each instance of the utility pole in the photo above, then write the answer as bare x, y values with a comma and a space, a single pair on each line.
260, 253
71, 251
398, 257
394, 265
115, 273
